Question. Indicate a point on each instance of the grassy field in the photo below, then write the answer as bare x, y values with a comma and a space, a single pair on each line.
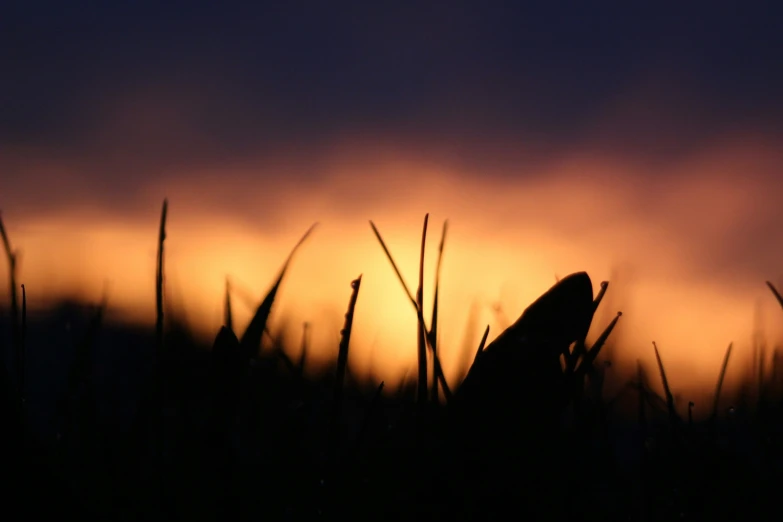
103, 421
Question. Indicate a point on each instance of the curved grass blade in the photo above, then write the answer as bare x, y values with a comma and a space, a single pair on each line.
250, 342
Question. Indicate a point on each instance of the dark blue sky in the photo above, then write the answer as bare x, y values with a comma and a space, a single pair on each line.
250, 77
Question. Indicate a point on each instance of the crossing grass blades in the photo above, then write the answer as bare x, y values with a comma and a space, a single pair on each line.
235, 431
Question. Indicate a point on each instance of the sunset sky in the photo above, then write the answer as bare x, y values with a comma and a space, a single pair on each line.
639, 143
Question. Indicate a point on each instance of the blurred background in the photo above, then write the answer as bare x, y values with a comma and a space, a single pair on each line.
640, 144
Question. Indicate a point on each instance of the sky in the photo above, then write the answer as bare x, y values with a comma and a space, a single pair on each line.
639, 142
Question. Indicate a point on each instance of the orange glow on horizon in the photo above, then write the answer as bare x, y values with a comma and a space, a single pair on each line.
663, 245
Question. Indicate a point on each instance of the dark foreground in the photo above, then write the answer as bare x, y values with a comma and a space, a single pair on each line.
110, 430
106, 422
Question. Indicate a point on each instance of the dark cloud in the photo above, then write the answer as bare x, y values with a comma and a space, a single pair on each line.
236, 78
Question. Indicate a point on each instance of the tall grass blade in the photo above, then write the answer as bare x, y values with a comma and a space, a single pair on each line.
159, 393
250, 341
228, 316
342, 364
721, 377
422, 329
159, 282
433, 332
669, 397
419, 312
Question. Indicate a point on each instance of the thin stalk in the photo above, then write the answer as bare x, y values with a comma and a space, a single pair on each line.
719, 386
481, 345
228, 319
669, 397
159, 282
433, 332
422, 329
419, 312
342, 364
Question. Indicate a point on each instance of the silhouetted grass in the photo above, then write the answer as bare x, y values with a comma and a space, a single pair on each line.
227, 431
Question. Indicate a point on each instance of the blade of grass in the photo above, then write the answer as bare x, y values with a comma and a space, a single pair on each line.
422, 329
394, 265
777, 294
669, 397
251, 339
159, 387
159, 282
721, 377
228, 319
342, 364
419, 312
481, 345
601, 293
433, 333
590, 355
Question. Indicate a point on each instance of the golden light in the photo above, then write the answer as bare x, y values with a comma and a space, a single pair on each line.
509, 236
